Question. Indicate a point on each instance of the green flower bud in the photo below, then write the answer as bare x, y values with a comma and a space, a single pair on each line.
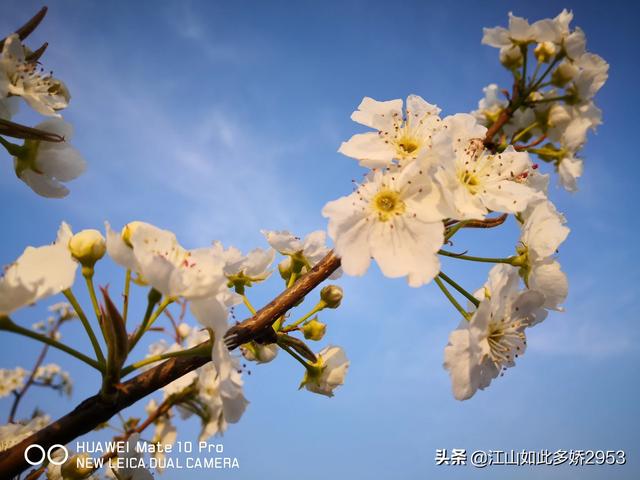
87, 246
331, 295
314, 330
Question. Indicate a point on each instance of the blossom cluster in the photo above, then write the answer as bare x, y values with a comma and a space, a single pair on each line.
557, 105
43, 163
431, 176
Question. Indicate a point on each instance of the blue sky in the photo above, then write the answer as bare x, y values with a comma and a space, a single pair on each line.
218, 119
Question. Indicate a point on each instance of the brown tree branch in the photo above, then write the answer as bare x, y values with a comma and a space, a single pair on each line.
95, 410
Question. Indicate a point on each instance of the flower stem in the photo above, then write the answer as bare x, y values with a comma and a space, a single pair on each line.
508, 260
200, 350
146, 325
7, 324
523, 132
127, 288
455, 285
85, 323
453, 301
296, 356
247, 303
321, 305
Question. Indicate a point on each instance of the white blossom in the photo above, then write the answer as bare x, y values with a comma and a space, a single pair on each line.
328, 373
393, 218
131, 467
38, 273
543, 231
254, 266
164, 434
519, 32
47, 164
11, 380
256, 352
13, 433
24, 78
307, 251
481, 348
475, 181
569, 170
403, 137
223, 397
490, 106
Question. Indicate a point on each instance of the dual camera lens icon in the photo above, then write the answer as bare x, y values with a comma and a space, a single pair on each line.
35, 454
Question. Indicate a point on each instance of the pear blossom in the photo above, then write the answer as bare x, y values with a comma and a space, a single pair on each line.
213, 313
490, 106
24, 78
593, 72
328, 373
164, 434
52, 374
475, 181
13, 433
393, 218
245, 269
569, 170
11, 380
38, 273
305, 253
223, 399
160, 261
488, 343
519, 32
542, 233
45, 165
256, 352
131, 468
569, 124
399, 137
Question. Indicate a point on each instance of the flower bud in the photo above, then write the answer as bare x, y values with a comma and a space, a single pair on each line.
184, 330
558, 115
511, 57
331, 295
314, 330
545, 51
88, 246
71, 469
284, 268
564, 74
254, 352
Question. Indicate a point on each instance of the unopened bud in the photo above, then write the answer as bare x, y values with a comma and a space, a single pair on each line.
564, 74
331, 295
184, 330
511, 57
284, 267
545, 51
74, 469
88, 246
314, 330
254, 352
558, 115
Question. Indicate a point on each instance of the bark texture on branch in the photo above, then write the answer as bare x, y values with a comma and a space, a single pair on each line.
94, 411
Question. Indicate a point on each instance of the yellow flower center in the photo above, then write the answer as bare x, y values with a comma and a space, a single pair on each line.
388, 203
406, 145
